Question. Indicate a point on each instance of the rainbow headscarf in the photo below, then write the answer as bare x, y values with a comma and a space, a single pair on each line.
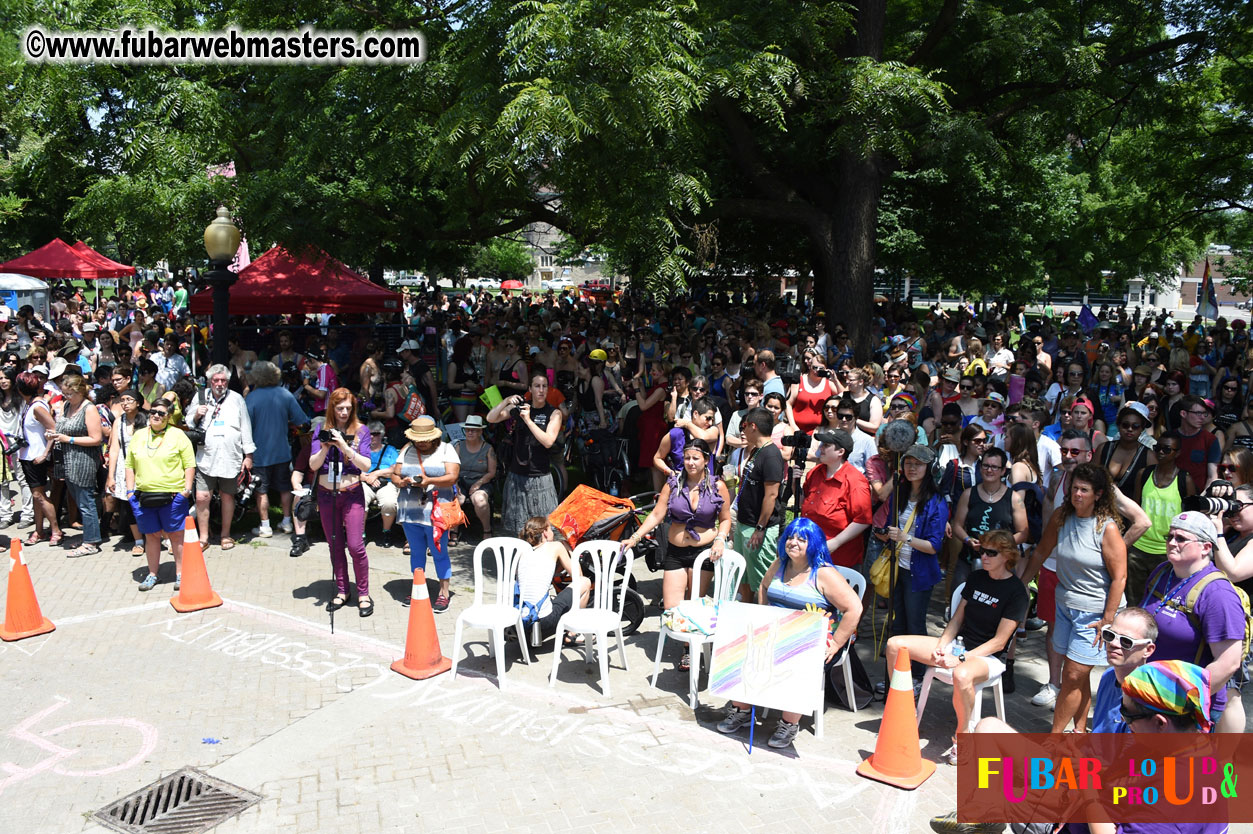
1171, 687
907, 397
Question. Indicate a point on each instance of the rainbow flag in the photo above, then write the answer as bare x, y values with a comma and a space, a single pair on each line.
1207, 306
794, 634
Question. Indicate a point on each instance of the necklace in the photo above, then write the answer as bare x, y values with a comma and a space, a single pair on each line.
152, 450
1174, 592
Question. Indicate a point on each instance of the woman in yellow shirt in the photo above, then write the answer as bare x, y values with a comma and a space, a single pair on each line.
160, 471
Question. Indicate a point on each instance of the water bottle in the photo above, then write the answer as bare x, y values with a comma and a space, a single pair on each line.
958, 648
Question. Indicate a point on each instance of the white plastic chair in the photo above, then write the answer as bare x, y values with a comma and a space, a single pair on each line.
601, 618
727, 572
500, 614
858, 583
946, 676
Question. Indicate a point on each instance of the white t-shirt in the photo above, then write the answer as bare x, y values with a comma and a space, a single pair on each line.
36, 442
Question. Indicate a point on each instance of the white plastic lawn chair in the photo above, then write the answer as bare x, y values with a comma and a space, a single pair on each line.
946, 676
602, 618
500, 614
727, 572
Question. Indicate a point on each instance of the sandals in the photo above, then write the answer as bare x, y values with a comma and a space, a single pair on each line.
365, 606
339, 601
84, 550
56, 538
138, 549
227, 543
571, 641
34, 538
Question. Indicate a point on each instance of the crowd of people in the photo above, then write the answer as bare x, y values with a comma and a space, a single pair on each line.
1056, 473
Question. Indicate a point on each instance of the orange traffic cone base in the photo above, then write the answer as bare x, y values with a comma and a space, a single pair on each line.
897, 759
42, 628
423, 658
926, 768
186, 608
440, 666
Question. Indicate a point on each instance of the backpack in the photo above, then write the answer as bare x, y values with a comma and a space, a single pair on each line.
1033, 500
1189, 604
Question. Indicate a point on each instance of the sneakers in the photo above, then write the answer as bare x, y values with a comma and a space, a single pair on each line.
150, 582
735, 719
264, 531
441, 603
284, 526
1046, 697
784, 734
1035, 624
950, 755
948, 824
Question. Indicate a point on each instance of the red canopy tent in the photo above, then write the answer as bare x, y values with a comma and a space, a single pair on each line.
58, 259
104, 261
279, 282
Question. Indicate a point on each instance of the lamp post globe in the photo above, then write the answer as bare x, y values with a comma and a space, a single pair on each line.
221, 242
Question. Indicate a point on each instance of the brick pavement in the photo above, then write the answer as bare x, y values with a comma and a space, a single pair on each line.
260, 693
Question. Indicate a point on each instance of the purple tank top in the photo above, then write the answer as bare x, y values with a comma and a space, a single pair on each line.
680, 511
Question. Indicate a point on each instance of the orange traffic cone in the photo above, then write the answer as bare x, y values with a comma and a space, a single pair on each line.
195, 593
897, 759
22, 617
423, 658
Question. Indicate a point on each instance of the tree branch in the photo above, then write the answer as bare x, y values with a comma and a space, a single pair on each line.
939, 28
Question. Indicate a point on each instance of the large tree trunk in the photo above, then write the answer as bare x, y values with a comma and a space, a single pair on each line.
844, 268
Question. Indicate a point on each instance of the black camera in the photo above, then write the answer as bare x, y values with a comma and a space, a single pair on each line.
824, 373
325, 436
1209, 505
796, 440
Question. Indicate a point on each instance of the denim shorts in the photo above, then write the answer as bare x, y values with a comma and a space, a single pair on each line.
1074, 633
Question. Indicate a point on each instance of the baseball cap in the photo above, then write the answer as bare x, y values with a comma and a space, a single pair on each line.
835, 437
920, 452
1139, 409
952, 375
995, 397
409, 344
40, 369
1198, 524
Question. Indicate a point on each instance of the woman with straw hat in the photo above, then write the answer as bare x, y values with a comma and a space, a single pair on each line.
426, 471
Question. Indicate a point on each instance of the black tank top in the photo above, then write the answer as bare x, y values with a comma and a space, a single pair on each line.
1132, 471
982, 517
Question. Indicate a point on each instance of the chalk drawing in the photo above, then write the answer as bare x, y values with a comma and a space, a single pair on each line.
58, 755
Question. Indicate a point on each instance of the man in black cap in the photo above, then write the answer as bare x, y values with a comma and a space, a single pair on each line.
837, 499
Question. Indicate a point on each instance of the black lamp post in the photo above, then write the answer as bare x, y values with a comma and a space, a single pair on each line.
221, 241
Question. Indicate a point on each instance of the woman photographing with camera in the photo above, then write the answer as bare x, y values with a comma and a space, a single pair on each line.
426, 470
339, 454
529, 489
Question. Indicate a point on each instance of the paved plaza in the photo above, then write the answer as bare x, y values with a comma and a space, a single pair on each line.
261, 694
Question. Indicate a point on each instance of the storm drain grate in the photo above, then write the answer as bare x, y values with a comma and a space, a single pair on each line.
186, 802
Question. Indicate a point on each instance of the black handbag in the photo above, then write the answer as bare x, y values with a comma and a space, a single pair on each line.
196, 435
154, 499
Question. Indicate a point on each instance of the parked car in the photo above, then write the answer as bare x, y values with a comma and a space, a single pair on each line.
557, 284
483, 284
410, 280
1246, 304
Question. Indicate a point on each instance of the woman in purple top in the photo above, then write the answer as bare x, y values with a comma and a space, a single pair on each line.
698, 507
339, 460
1212, 635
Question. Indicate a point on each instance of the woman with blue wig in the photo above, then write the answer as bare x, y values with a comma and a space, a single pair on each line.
803, 575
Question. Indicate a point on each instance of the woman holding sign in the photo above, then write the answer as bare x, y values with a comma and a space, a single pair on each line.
803, 575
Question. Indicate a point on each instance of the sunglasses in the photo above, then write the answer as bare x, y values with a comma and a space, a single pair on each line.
1108, 635
161, 414
699, 389
1072, 453
1128, 717
1166, 450
1176, 539
1131, 425
845, 416
989, 552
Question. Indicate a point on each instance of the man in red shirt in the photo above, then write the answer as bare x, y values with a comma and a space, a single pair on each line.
1199, 450
837, 499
